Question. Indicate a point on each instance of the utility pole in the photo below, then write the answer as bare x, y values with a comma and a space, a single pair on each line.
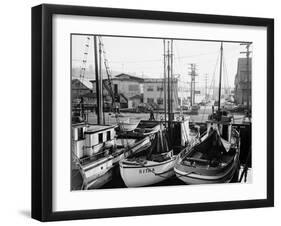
192, 74
248, 91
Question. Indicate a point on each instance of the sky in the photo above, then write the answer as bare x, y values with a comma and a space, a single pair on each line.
143, 57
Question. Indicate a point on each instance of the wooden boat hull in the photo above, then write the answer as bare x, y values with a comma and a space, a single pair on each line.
128, 127
190, 177
145, 174
100, 181
97, 173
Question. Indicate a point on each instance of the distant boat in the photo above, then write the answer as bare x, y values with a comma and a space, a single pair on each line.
143, 129
96, 151
128, 125
150, 166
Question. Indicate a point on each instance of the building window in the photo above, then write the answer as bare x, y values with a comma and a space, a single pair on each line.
150, 100
133, 87
150, 89
159, 88
160, 101
100, 138
108, 135
115, 88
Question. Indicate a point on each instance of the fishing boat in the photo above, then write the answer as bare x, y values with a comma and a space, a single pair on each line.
143, 129
153, 164
215, 158
128, 125
156, 163
96, 151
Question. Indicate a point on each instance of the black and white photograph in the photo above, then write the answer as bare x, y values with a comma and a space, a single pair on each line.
148, 112
140, 113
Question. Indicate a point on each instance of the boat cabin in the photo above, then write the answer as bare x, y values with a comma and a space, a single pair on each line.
90, 139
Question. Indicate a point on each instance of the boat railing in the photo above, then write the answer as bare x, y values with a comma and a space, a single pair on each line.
197, 160
105, 151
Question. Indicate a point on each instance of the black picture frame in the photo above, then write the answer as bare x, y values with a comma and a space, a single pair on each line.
42, 111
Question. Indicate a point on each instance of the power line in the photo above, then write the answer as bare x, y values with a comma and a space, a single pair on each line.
159, 59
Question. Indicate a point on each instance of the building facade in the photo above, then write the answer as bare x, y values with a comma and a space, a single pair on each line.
135, 101
243, 82
153, 92
78, 89
124, 85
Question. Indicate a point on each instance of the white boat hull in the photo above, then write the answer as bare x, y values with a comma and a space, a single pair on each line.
100, 181
148, 173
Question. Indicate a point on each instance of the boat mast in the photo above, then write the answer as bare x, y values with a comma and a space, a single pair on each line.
165, 89
172, 83
98, 83
101, 79
221, 56
169, 91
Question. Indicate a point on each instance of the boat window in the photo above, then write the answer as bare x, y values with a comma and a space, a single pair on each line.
80, 133
100, 138
108, 135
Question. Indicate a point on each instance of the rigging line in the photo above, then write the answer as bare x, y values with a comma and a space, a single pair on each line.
208, 92
179, 57
109, 75
211, 84
158, 59
225, 77
226, 73
84, 63
222, 80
